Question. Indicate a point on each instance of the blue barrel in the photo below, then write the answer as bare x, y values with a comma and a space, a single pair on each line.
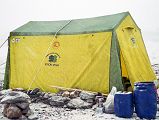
123, 104
145, 99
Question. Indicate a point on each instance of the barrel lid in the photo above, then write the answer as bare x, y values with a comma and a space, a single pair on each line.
144, 83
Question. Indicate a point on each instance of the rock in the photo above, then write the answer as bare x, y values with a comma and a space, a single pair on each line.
94, 107
39, 93
1, 97
46, 96
35, 91
90, 101
13, 112
65, 94
25, 111
15, 97
29, 112
5, 109
58, 101
42, 93
4, 92
23, 118
44, 106
74, 94
22, 105
19, 89
33, 117
86, 95
77, 103
100, 110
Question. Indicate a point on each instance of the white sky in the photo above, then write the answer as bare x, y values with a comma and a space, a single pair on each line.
14, 13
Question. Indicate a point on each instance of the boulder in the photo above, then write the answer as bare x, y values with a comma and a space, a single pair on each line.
5, 109
15, 97
12, 112
4, 92
22, 105
58, 101
77, 103
86, 95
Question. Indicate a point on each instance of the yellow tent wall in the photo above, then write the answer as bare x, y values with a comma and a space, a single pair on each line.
82, 61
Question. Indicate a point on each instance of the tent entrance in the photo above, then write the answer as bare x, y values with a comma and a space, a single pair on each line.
125, 77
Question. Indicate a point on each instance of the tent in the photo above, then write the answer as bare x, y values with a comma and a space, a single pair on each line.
92, 54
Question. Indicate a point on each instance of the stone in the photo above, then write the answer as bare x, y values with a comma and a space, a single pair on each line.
35, 91
86, 95
23, 118
66, 94
29, 112
44, 106
77, 103
15, 97
22, 105
19, 89
74, 94
39, 93
100, 110
13, 112
58, 101
46, 96
5, 109
90, 101
25, 111
94, 107
33, 117
4, 92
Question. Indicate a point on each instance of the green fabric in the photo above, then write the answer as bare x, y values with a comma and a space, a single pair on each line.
115, 68
6, 76
89, 25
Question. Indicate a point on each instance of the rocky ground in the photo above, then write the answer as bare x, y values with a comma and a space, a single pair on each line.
42, 111
45, 112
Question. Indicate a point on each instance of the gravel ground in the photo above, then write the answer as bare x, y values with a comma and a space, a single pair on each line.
45, 112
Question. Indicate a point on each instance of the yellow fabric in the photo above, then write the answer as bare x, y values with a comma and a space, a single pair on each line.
123, 67
134, 52
82, 61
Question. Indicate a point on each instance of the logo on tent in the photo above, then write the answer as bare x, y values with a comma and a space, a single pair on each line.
52, 59
56, 44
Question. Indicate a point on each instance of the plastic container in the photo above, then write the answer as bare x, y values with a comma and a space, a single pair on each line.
145, 99
123, 104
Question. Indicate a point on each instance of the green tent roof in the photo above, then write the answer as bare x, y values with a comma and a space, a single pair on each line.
77, 26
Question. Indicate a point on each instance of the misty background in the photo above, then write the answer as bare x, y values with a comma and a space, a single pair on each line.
14, 13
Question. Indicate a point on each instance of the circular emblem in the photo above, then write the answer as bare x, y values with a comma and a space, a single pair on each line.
56, 44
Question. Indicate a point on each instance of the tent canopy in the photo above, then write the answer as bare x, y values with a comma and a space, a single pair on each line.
77, 26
